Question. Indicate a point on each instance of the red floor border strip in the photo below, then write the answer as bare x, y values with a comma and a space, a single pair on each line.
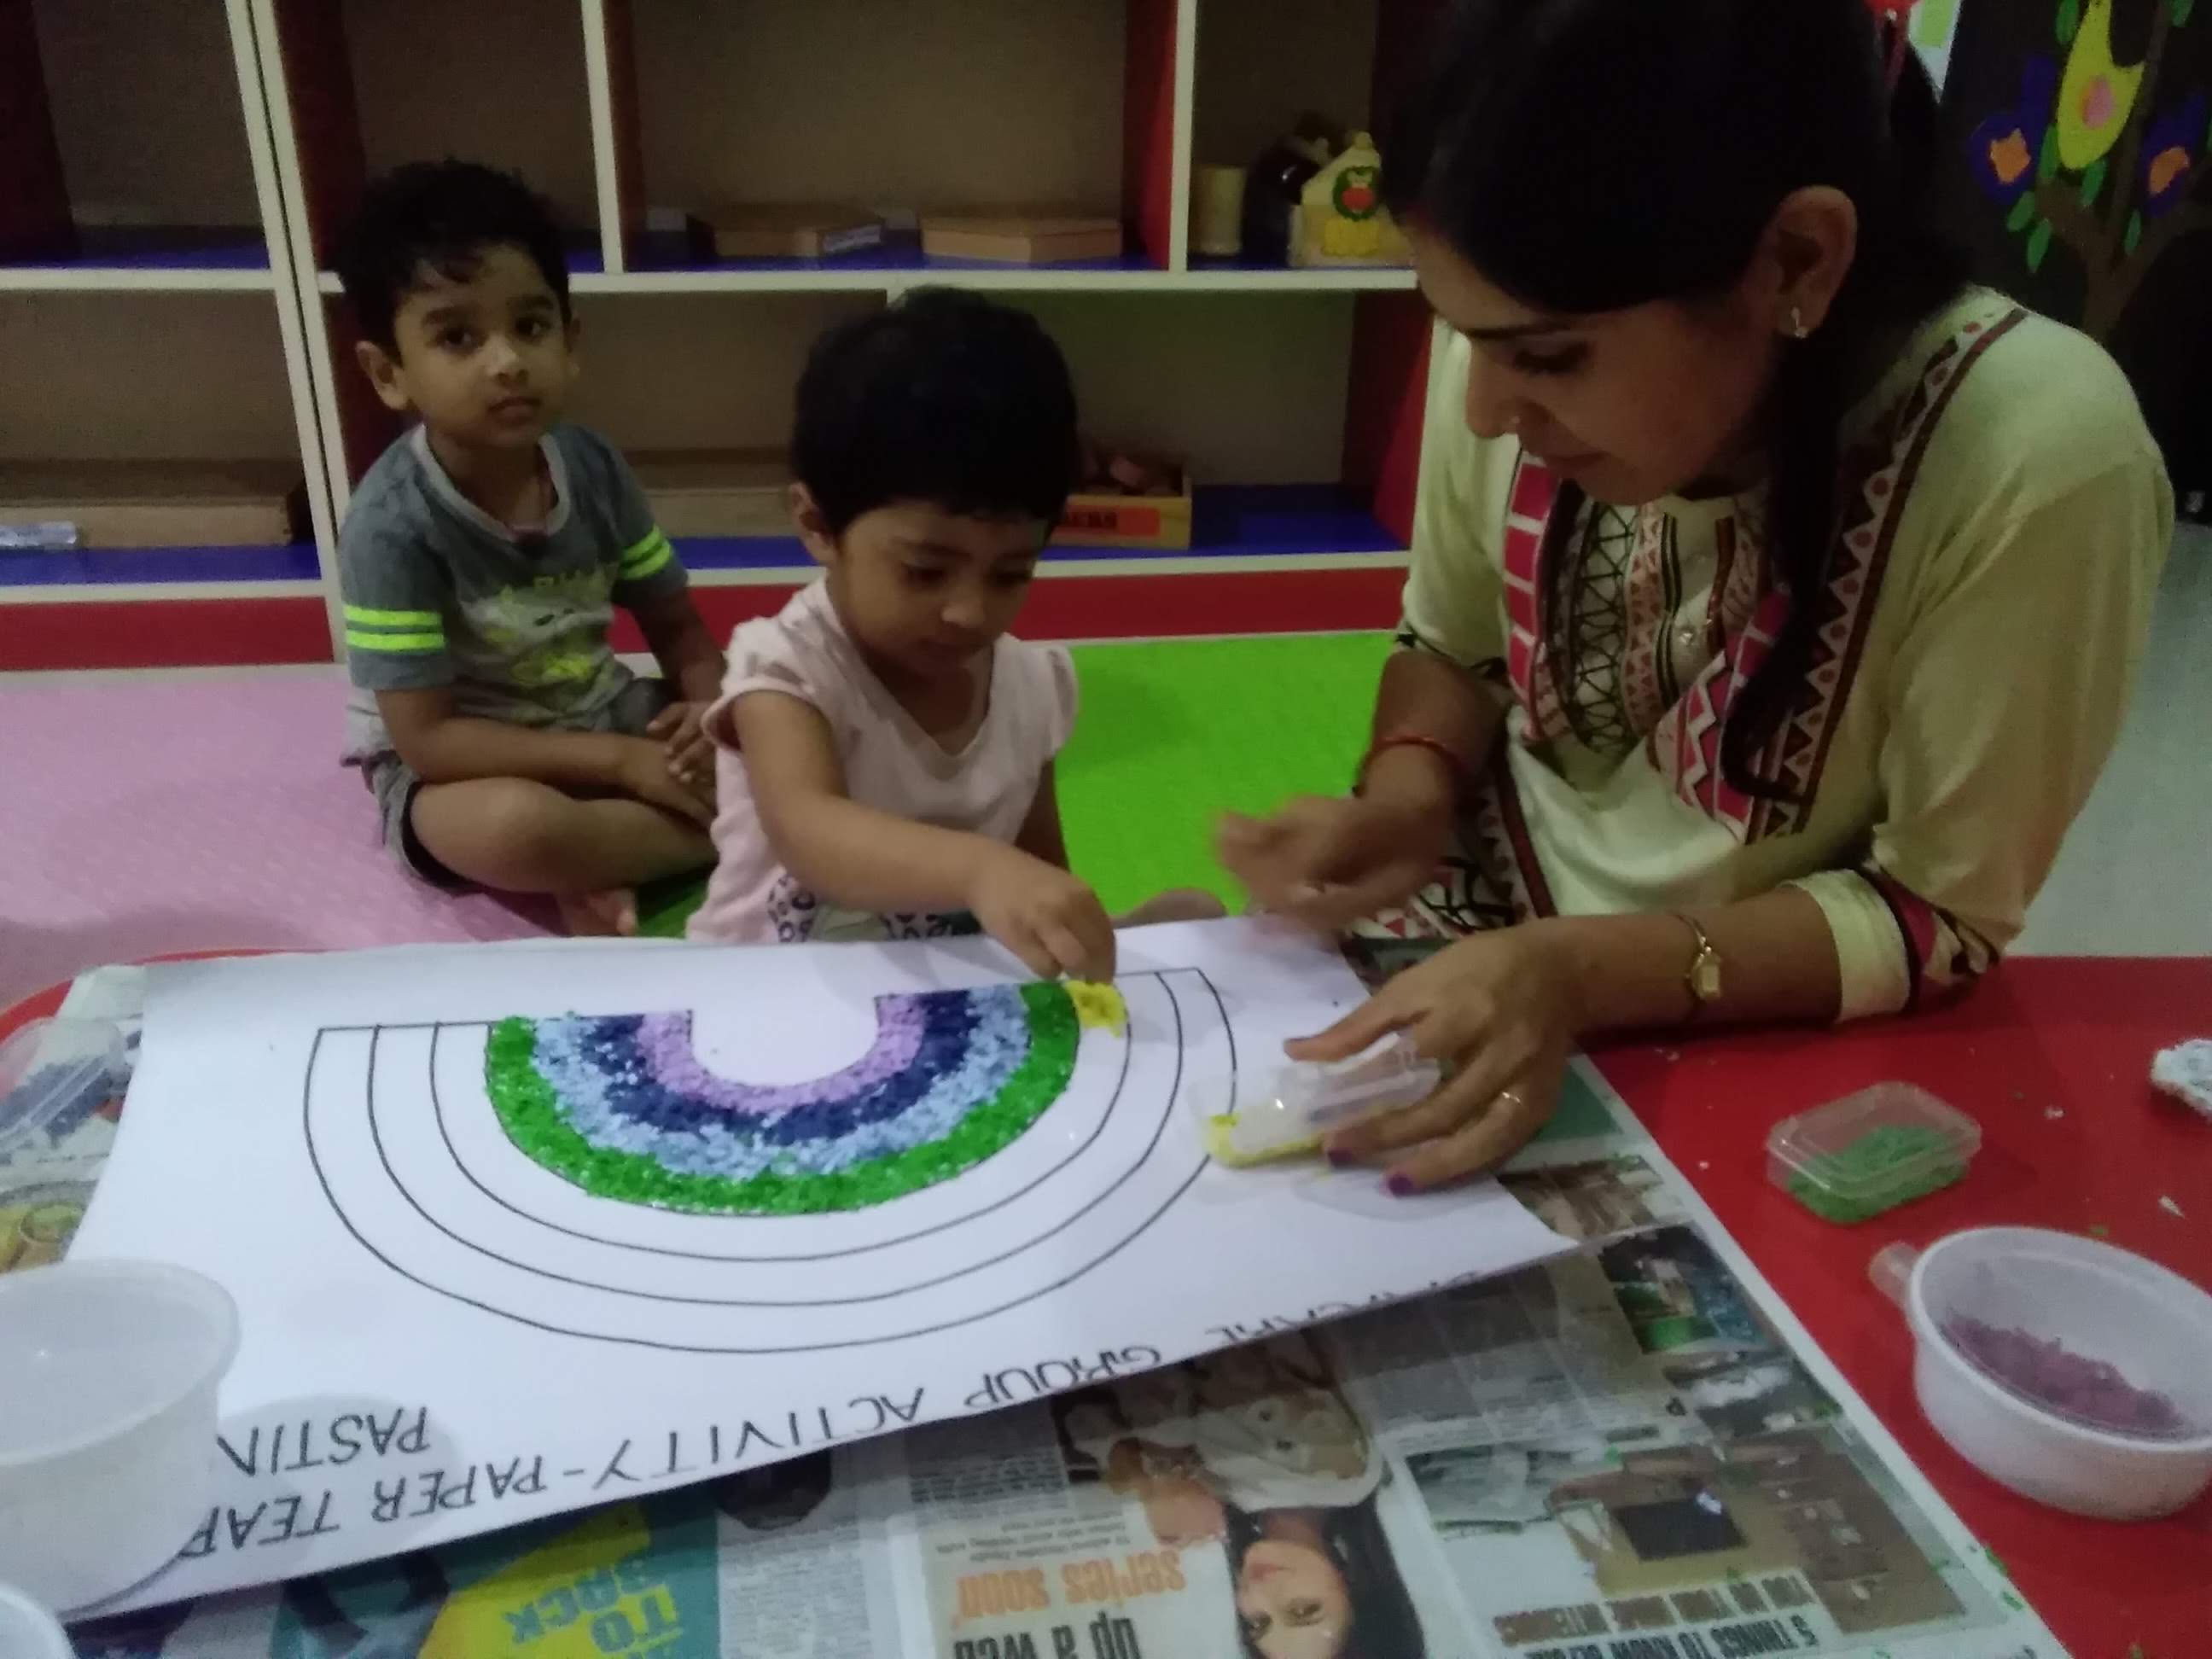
164, 634
1140, 606
240, 632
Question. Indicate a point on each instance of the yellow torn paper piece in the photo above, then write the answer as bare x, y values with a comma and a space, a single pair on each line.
1098, 1007
1222, 1149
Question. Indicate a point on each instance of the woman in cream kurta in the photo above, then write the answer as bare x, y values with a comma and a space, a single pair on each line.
1775, 597
2008, 518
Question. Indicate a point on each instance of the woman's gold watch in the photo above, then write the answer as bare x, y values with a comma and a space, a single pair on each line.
1702, 977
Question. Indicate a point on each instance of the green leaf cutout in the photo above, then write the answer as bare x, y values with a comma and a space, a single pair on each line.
2046, 164
2134, 233
2069, 19
2022, 211
2038, 244
2093, 180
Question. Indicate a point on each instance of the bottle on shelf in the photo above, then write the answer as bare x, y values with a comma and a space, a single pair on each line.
1277, 181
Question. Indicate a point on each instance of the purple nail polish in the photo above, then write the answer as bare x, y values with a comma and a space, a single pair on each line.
1399, 1186
1340, 1157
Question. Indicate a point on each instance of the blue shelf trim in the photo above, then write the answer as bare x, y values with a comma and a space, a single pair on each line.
92, 567
160, 248
666, 251
1228, 520
1279, 520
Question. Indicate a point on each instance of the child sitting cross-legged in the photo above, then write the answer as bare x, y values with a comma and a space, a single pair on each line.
481, 562
884, 746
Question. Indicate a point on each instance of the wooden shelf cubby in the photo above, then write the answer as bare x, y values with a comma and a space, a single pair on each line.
1260, 63
222, 144
95, 192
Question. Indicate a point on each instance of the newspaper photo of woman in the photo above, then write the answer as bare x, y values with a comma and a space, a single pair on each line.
778, 1496
1257, 1449
1320, 1583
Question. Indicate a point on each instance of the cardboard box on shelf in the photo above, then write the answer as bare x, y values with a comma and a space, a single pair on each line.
1109, 517
160, 503
1021, 239
784, 231
715, 492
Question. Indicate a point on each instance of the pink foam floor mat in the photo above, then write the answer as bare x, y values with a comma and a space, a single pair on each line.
142, 817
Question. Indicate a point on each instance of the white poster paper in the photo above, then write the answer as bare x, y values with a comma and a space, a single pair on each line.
509, 1237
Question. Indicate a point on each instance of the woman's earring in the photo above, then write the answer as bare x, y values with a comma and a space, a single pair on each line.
1797, 329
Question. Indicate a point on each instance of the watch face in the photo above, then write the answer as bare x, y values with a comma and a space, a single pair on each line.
1705, 976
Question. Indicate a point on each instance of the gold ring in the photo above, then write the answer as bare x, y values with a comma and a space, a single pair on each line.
1508, 1094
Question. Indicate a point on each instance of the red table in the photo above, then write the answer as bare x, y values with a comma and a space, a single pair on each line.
2052, 1056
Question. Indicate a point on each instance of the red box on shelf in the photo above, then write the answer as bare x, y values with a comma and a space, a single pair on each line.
1118, 520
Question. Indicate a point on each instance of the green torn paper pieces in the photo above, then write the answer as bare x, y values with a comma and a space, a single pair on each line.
1879, 1170
530, 1111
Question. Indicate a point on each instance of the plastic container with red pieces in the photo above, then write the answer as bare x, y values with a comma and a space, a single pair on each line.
2076, 1373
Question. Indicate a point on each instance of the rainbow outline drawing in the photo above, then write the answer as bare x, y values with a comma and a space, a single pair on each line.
413, 1153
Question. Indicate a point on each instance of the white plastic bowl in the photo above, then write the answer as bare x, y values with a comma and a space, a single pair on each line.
108, 1422
2102, 1303
27, 1631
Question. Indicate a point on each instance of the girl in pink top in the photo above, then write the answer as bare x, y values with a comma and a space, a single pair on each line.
885, 747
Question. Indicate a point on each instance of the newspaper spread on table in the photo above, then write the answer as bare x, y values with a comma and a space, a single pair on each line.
1635, 1452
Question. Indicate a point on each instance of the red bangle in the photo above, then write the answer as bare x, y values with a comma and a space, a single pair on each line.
1454, 760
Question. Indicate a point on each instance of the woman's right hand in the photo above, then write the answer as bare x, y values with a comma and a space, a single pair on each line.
1327, 863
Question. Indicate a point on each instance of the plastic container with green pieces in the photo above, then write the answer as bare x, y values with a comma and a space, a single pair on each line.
1854, 1159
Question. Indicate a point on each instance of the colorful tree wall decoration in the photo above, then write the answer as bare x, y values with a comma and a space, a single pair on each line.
2111, 161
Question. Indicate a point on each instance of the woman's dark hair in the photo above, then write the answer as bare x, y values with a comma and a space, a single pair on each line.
775, 1495
946, 397
444, 215
1589, 156
1384, 1625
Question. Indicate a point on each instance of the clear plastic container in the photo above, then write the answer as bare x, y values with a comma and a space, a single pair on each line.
51, 1066
1291, 1109
108, 1422
27, 1631
1853, 1158
2076, 1373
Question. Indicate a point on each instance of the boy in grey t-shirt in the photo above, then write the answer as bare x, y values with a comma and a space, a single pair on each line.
480, 565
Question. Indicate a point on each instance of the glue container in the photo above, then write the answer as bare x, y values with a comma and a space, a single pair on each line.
1853, 1158
1307, 1099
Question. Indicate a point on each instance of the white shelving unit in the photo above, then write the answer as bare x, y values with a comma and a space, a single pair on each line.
1296, 392
145, 311
1039, 279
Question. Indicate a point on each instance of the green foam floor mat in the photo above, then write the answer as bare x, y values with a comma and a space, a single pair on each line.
1171, 734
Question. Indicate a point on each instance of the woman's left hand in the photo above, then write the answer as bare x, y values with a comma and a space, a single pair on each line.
1500, 1011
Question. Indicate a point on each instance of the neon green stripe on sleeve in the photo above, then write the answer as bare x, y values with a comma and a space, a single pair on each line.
647, 557
393, 643
366, 617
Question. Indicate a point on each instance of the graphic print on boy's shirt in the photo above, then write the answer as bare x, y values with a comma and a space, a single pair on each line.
440, 594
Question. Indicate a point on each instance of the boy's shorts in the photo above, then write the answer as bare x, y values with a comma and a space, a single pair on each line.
395, 784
